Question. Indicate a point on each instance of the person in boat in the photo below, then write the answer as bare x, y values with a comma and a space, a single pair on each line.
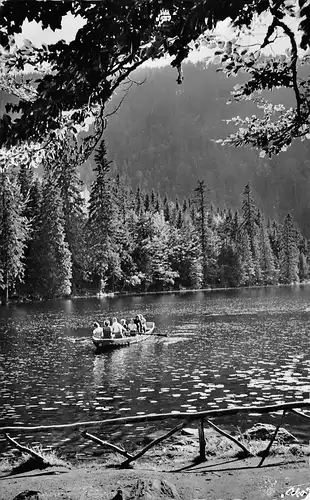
107, 330
125, 326
143, 322
97, 332
117, 329
132, 327
138, 323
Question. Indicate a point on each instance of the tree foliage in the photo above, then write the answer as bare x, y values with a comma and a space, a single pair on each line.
78, 78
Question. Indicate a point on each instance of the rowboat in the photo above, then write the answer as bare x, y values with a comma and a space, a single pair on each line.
102, 344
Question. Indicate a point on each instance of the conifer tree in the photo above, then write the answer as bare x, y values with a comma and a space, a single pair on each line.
267, 265
186, 255
201, 218
274, 234
103, 225
14, 233
64, 168
51, 272
153, 200
289, 253
185, 205
147, 203
167, 209
139, 204
25, 180
159, 203
250, 226
247, 265
303, 268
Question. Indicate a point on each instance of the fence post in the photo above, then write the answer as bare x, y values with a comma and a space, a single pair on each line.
202, 441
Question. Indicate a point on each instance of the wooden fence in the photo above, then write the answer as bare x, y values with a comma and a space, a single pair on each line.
201, 417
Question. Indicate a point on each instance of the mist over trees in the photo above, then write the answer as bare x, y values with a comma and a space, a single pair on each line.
163, 136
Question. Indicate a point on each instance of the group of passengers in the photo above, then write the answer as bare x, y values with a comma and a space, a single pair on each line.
112, 329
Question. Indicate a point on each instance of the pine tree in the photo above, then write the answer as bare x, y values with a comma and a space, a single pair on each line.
289, 253
159, 203
139, 204
303, 268
64, 168
51, 272
14, 233
167, 209
267, 265
103, 225
153, 200
32, 213
250, 227
201, 219
247, 265
147, 203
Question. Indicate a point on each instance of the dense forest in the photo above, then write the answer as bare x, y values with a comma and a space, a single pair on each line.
162, 137
54, 244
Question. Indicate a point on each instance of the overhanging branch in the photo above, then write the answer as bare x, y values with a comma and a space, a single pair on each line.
294, 59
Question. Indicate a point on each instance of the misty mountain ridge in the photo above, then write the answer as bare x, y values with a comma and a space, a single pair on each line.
162, 138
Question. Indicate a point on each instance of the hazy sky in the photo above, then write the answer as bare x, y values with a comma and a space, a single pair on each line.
70, 25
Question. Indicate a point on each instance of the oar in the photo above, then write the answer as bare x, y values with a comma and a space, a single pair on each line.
157, 334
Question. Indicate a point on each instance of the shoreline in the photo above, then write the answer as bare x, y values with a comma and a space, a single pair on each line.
26, 300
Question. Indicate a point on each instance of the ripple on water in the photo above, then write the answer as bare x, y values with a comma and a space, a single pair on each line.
224, 349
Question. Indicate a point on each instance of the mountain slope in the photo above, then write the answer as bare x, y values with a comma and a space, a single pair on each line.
162, 137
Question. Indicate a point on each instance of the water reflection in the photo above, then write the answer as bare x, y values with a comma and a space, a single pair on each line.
223, 349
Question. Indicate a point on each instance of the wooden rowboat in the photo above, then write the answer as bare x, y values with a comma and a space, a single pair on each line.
102, 344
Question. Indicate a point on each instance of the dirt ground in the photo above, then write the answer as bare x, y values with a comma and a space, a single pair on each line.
170, 472
226, 480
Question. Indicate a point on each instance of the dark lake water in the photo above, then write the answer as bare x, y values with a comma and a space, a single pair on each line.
224, 348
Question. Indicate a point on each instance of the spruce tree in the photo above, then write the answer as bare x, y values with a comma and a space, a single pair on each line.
167, 208
51, 271
14, 233
303, 268
64, 167
147, 203
289, 253
267, 264
139, 204
103, 225
250, 227
201, 220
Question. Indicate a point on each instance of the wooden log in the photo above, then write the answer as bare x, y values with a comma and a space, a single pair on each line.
202, 441
24, 449
153, 443
265, 452
232, 438
105, 443
301, 414
161, 416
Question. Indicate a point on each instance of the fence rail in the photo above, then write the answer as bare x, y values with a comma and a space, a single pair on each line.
202, 417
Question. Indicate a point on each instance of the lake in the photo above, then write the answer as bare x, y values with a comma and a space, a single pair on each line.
224, 348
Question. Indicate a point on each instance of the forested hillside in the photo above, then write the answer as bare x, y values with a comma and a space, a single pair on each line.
53, 245
161, 137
